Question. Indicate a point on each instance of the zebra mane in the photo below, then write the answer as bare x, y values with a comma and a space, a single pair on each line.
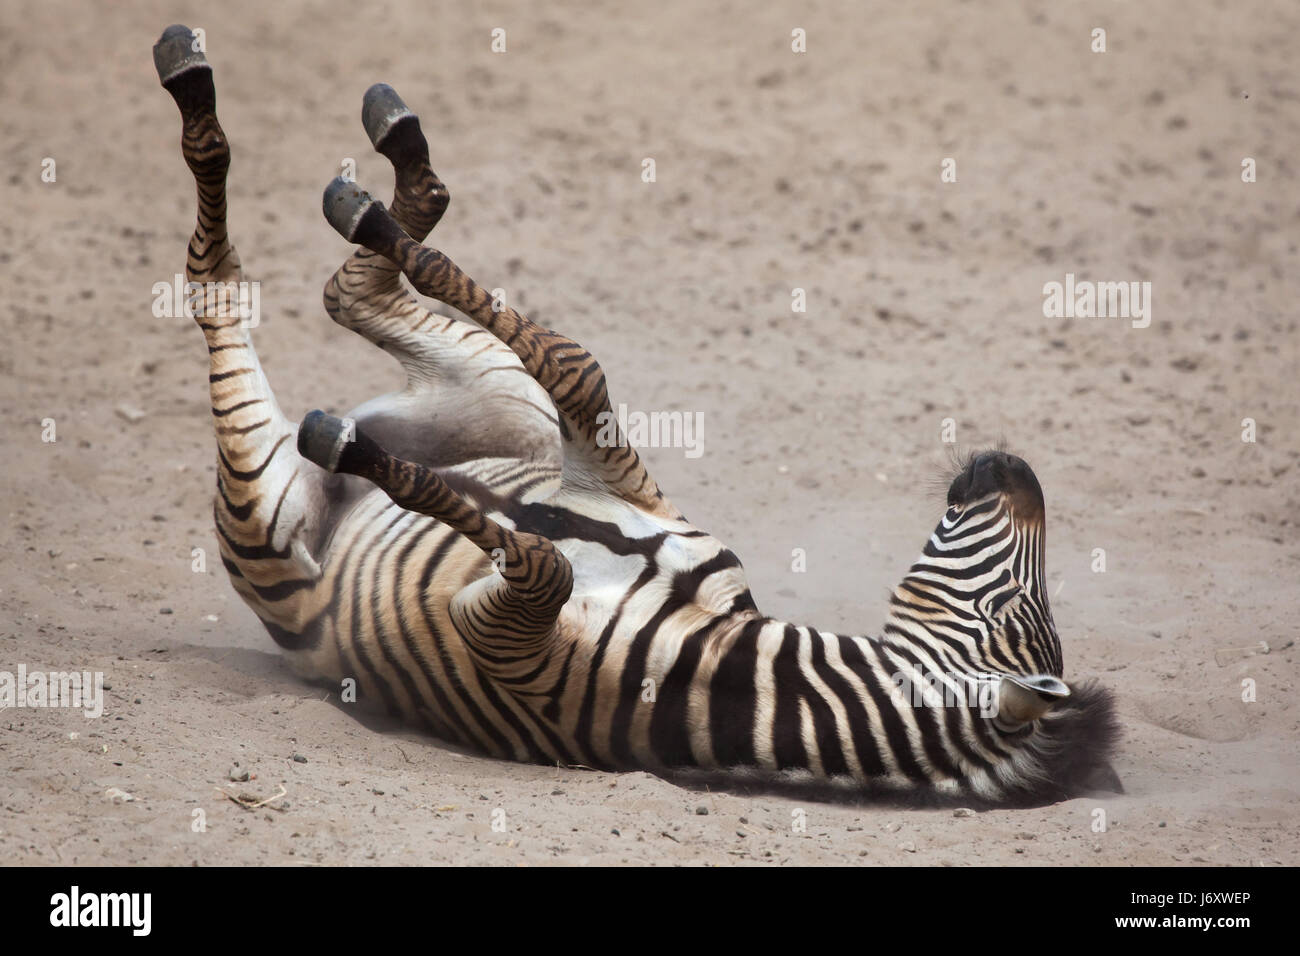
959, 461
1067, 757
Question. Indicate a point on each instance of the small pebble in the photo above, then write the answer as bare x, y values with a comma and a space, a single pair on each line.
299, 758
165, 610
701, 811
237, 775
963, 812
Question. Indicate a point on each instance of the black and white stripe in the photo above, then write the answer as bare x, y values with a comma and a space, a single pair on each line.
473, 555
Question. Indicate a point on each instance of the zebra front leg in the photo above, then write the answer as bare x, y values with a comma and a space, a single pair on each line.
568, 372
507, 619
267, 502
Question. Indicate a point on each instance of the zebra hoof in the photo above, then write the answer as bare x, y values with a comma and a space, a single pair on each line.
174, 54
385, 116
345, 204
322, 438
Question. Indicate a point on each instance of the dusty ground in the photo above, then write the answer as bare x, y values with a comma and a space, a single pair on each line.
822, 430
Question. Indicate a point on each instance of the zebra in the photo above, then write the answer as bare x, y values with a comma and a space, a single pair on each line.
469, 554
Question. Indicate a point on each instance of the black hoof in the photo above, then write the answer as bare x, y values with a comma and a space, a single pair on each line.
174, 54
322, 438
383, 112
352, 211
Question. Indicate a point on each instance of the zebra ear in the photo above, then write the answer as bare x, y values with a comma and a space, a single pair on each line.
1022, 699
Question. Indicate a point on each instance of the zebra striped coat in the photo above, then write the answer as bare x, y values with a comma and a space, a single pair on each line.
476, 557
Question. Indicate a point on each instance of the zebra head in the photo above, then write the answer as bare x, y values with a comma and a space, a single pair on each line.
979, 587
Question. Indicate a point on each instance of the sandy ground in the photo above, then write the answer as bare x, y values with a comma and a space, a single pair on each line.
822, 430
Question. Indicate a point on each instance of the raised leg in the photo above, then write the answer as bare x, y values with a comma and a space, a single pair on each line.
267, 502
420, 198
507, 619
570, 375
464, 397
366, 293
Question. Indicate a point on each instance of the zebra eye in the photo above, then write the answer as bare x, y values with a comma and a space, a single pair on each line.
1003, 603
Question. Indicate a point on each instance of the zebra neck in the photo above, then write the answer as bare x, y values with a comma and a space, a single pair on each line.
784, 697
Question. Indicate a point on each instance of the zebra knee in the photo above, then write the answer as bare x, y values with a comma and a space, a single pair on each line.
536, 569
577, 385
331, 298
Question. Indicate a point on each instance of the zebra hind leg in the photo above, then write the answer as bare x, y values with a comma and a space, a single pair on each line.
268, 499
464, 397
569, 373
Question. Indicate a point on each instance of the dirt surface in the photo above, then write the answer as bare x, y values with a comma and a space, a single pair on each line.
823, 430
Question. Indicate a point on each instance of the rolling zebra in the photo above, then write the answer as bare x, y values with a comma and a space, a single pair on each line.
472, 555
